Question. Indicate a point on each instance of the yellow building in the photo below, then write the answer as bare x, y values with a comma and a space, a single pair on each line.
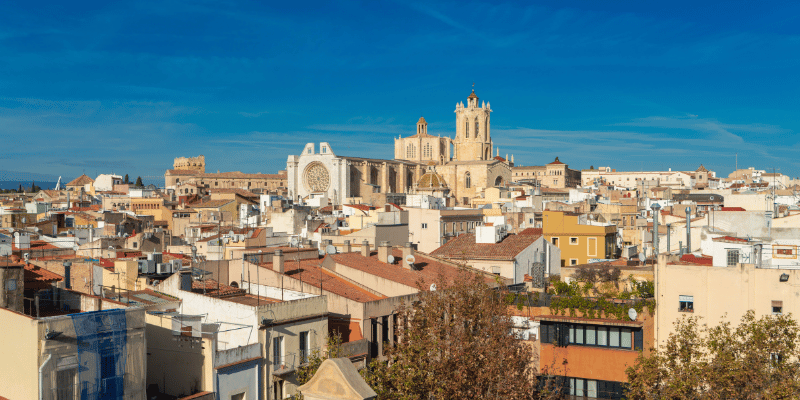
579, 239
152, 206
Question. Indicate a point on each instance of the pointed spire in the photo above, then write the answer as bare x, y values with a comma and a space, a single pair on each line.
498, 152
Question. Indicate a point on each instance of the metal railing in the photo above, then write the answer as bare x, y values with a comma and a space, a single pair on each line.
284, 364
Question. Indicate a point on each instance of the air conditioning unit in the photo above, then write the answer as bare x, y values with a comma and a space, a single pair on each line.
163, 268
177, 265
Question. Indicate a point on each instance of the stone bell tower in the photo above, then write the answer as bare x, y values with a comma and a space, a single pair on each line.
473, 139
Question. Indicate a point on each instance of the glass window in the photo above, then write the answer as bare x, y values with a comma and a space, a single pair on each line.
579, 334
572, 333
579, 387
613, 337
591, 389
602, 336
591, 335
625, 338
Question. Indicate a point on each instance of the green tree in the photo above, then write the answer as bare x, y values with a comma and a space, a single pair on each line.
20, 190
127, 181
139, 182
758, 359
455, 343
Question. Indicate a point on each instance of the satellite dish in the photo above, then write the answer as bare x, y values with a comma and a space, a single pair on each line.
433, 287
293, 242
230, 233
641, 257
330, 249
410, 259
391, 260
321, 252
632, 314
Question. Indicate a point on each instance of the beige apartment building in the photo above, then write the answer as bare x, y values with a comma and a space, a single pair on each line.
721, 293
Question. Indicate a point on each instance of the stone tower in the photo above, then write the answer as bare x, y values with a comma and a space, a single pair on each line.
473, 139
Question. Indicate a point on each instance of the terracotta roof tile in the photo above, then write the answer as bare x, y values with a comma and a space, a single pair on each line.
37, 274
464, 247
428, 268
80, 181
216, 289
311, 272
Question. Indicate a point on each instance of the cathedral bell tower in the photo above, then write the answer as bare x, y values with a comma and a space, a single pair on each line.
473, 139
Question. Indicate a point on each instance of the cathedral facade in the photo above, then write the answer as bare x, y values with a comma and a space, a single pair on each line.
458, 168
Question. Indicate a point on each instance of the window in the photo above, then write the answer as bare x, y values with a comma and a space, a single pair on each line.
555, 241
573, 240
496, 270
305, 348
466, 130
324, 149
573, 261
777, 307
424, 225
733, 257
476, 127
239, 396
277, 352
686, 303
467, 181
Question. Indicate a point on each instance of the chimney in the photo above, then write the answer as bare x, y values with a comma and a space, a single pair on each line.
67, 269
408, 250
12, 279
365, 248
346, 248
383, 251
688, 230
277, 261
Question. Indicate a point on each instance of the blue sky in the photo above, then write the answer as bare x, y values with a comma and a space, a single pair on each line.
125, 87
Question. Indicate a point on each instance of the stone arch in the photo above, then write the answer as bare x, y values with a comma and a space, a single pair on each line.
373, 175
477, 128
498, 181
467, 180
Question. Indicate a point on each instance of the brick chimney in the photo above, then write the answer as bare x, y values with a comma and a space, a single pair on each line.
277, 261
365, 248
346, 248
383, 251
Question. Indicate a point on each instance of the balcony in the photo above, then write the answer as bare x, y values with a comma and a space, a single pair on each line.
284, 365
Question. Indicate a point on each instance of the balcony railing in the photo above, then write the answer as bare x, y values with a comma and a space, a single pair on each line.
284, 365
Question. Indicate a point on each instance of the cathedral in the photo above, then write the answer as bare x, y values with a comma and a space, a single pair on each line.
456, 169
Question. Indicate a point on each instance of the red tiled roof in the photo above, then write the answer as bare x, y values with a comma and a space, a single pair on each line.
532, 231
310, 272
556, 162
396, 206
361, 207
730, 239
427, 269
732, 209
464, 247
38, 274
213, 288
80, 181
702, 260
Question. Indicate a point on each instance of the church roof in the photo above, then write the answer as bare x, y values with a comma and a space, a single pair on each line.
81, 180
556, 162
422, 120
472, 95
701, 169
431, 180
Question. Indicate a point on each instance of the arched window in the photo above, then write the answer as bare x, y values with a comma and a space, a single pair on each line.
476, 127
466, 129
486, 127
467, 181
